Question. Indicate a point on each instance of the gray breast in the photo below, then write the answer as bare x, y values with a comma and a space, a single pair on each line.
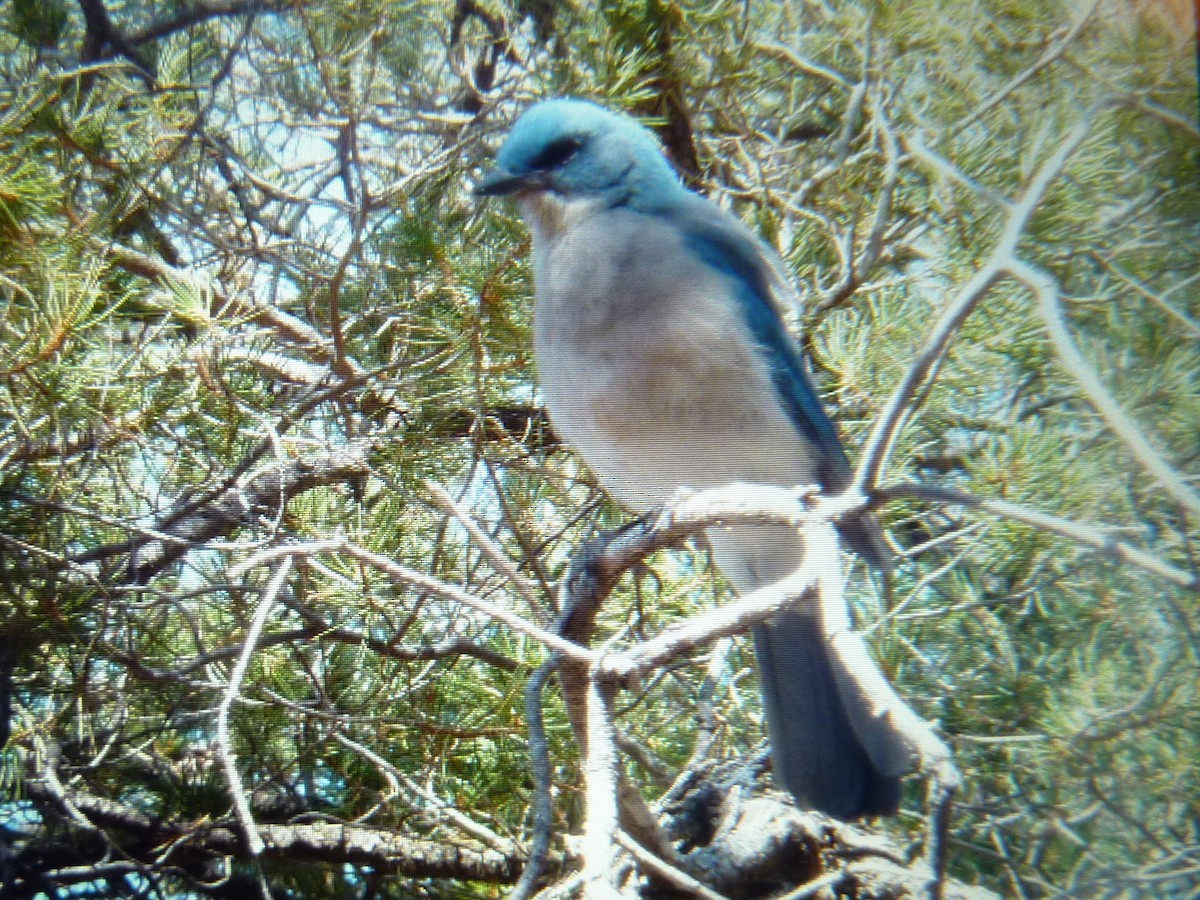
649, 370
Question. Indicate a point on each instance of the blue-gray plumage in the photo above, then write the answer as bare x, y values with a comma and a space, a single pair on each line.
663, 359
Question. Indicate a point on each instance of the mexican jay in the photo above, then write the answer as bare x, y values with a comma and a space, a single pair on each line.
663, 359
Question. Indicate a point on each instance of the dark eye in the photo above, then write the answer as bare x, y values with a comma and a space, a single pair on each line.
556, 153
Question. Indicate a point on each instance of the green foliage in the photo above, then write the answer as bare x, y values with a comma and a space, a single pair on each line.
39, 23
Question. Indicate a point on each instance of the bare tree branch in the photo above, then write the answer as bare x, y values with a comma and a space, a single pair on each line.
890, 420
1045, 289
1097, 537
303, 843
224, 745
188, 525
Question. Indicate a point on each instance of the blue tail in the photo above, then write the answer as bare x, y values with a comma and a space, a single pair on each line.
818, 755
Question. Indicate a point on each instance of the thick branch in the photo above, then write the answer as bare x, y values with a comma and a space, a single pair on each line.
202, 12
103, 36
384, 851
187, 525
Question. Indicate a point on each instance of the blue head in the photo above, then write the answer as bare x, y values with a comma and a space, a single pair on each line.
576, 150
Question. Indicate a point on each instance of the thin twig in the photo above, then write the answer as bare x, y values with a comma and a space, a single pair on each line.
1159, 300
1051, 55
814, 887
539, 766
675, 876
424, 582
241, 804
794, 59
467, 824
1095, 536
494, 552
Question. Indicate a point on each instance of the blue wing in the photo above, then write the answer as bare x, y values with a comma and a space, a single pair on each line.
723, 243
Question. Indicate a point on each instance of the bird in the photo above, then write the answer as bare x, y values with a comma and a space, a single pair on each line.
664, 359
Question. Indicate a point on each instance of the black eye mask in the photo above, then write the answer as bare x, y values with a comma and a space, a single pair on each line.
556, 153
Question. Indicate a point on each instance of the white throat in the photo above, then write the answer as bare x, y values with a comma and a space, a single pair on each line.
550, 215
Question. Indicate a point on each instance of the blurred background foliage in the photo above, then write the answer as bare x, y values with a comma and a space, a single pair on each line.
247, 299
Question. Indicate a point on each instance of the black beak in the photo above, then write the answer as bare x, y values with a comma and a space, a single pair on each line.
501, 182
